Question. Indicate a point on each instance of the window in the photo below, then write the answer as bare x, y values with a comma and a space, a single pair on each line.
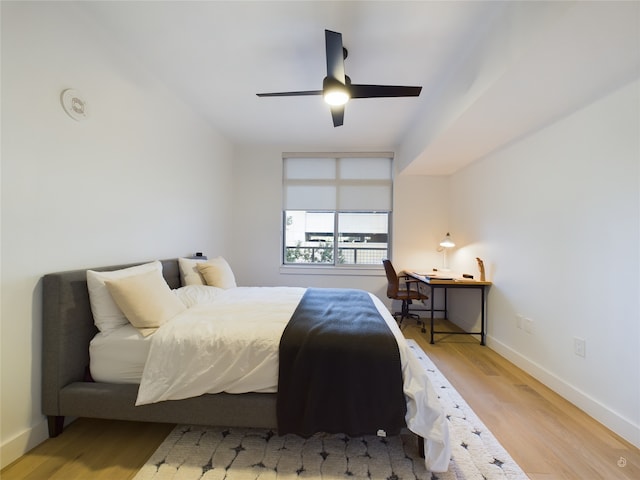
337, 210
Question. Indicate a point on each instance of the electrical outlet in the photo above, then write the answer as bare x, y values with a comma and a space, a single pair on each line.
579, 347
528, 325
519, 318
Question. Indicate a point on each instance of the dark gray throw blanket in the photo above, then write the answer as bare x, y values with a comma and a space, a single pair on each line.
340, 368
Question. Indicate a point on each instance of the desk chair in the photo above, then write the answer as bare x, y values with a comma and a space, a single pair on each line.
405, 293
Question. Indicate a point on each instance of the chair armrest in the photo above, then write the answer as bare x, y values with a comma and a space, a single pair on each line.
411, 281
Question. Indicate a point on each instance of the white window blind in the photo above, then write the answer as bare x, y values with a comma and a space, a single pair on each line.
344, 183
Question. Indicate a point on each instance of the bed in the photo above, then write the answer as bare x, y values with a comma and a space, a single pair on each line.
69, 389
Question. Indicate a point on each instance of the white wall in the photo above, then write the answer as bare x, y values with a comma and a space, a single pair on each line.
421, 220
556, 218
142, 178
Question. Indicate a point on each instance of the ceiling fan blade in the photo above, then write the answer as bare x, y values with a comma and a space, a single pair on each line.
335, 55
337, 113
376, 91
290, 94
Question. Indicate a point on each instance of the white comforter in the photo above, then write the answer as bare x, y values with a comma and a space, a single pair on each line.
230, 344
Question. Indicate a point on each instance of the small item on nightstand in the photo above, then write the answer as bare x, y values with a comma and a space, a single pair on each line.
199, 256
467, 275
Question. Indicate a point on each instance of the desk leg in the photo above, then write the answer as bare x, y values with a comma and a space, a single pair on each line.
446, 310
433, 299
483, 320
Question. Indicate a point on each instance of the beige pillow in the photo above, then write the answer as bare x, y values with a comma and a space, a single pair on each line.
189, 274
146, 300
106, 314
217, 273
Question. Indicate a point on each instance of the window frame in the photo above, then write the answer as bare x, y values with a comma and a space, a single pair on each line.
335, 267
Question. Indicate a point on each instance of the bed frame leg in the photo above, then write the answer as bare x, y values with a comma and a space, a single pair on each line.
56, 425
421, 446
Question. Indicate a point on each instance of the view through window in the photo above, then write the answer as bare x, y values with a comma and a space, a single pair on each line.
363, 237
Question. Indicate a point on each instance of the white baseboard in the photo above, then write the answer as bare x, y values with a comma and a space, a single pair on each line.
610, 419
14, 448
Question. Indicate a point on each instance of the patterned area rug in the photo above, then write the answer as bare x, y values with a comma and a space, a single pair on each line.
207, 453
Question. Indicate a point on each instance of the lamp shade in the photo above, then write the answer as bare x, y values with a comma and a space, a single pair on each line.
447, 242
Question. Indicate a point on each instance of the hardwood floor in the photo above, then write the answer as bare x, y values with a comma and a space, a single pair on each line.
546, 435
91, 449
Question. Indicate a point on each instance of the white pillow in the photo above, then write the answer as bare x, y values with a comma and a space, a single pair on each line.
191, 295
146, 300
107, 315
189, 274
217, 273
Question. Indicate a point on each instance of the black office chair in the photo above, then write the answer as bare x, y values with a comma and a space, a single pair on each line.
404, 293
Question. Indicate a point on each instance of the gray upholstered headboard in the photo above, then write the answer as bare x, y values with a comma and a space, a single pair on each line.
68, 328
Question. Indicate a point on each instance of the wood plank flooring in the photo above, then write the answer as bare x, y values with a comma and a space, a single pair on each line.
546, 435
91, 449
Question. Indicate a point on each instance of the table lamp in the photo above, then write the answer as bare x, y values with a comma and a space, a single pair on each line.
446, 243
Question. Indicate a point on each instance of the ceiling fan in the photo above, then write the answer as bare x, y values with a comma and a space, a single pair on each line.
337, 88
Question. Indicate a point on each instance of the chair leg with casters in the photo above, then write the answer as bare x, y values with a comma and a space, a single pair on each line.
407, 314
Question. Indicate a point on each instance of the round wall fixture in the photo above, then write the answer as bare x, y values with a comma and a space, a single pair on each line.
74, 104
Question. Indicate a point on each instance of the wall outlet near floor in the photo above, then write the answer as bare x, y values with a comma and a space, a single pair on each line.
527, 323
579, 347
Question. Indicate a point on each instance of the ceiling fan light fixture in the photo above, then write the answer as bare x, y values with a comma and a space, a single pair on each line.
334, 92
336, 97
337, 88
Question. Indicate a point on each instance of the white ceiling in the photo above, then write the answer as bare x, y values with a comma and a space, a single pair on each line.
491, 71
